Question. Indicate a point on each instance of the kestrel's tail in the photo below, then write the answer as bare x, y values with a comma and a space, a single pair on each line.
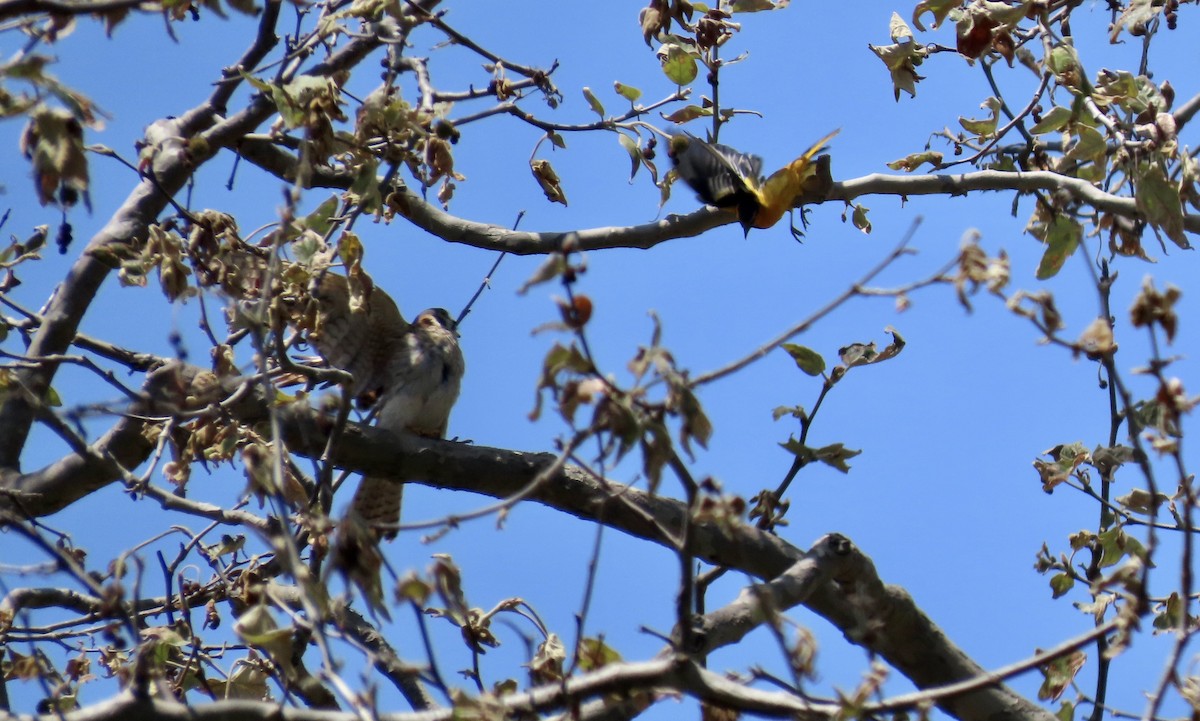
376, 504
374, 514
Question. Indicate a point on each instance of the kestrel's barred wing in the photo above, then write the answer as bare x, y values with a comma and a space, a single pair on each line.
360, 337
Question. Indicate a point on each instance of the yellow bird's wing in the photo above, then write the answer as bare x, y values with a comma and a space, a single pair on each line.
721, 176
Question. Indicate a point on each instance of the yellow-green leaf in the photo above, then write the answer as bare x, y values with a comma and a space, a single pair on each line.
678, 65
860, 219
686, 113
1061, 583
1158, 199
635, 153
593, 101
939, 8
628, 92
1053, 121
910, 163
1062, 238
986, 127
807, 359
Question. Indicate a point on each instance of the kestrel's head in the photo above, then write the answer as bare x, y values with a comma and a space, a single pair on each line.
436, 318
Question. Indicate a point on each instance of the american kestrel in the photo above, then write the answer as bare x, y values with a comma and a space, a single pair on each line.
412, 371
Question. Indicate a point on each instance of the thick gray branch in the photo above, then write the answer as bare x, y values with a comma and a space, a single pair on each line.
279, 162
619, 679
756, 605
882, 618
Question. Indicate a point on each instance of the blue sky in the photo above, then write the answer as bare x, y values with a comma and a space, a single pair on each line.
943, 497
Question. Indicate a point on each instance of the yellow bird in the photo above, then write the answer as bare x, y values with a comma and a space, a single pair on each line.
726, 178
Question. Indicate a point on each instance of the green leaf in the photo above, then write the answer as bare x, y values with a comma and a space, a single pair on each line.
306, 247
296, 99
678, 65
1063, 59
635, 153
901, 58
366, 186
1115, 544
628, 92
835, 455
321, 219
860, 219
1141, 501
261, 86
1062, 238
594, 654
939, 8
258, 628
656, 450
1089, 145
985, 128
1059, 673
1158, 199
1061, 583
752, 6
695, 422
550, 269
1053, 121
686, 113
910, 163
1169, 614
593, 101
807, 359
1064, 459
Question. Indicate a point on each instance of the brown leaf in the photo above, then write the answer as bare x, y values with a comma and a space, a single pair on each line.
544, 173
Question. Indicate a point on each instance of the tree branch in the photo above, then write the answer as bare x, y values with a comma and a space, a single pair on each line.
15, 8
882, 618
263, 153
618, 679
